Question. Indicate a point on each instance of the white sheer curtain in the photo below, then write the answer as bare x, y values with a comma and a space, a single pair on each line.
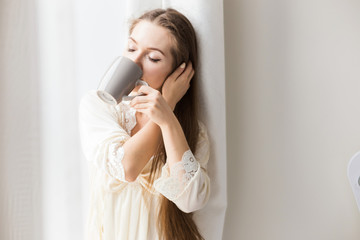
20, 195
53, 51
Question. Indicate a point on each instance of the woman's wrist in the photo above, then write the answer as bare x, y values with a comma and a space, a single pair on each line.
170, 122
171, 103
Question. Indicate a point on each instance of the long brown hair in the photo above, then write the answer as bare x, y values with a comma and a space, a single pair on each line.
172, 223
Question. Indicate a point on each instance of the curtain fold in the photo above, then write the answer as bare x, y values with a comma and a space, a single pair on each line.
51, 53
20, 193
62, 171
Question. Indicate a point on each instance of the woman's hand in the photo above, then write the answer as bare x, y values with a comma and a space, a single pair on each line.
153, 105
176, 85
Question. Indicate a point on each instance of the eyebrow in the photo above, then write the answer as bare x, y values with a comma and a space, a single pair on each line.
151, 48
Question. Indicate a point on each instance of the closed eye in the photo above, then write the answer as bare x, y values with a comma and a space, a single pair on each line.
154, 59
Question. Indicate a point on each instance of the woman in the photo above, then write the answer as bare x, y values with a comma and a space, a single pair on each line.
148, 156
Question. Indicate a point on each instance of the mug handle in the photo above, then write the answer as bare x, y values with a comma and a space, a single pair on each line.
137, 83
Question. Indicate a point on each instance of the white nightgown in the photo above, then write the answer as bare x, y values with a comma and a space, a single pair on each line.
118, 209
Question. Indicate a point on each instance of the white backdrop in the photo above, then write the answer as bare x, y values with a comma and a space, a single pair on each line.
52, 52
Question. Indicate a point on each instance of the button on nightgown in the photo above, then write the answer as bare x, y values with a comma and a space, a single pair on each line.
119, 209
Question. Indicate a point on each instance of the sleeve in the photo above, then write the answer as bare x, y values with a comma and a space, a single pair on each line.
101, 135
187, 183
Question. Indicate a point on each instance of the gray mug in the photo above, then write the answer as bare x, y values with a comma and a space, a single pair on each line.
119, 80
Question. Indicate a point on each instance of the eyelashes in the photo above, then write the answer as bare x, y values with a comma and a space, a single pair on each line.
154, 60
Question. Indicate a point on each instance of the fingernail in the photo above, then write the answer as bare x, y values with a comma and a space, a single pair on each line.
182, 65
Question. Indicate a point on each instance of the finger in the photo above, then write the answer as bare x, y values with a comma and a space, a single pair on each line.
191, 75
188, 79
189, 67
140, 99
144, 110
142, 105
187, 71
141, 110
178, 71
146, 89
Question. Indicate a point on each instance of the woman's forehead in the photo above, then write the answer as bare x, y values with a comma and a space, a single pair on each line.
150, 35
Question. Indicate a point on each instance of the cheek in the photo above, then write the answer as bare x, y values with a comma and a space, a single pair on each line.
155, 75
156, 70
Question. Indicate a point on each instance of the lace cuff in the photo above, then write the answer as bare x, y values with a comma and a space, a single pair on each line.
181, 173
114, 165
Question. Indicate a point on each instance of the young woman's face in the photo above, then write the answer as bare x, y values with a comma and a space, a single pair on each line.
149, 46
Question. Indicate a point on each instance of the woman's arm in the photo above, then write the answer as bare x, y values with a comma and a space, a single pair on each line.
174, 140
104, 141
139, 149
187, 183
173, 136
159, 108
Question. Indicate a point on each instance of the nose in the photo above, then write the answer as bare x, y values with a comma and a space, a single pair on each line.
136, 58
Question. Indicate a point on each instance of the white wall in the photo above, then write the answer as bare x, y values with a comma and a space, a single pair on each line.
293, 71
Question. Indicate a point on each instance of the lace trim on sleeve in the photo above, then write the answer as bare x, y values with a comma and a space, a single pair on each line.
114, 165
185, 169
181, 173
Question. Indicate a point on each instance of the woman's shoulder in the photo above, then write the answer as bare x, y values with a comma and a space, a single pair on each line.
91, 99
92, 107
